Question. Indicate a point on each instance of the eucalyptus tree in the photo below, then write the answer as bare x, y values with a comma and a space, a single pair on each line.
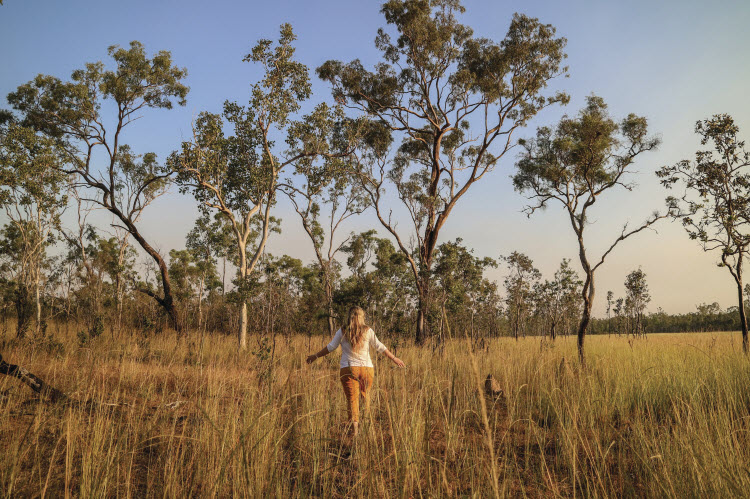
204, 242
75, 114
78, 241
82, 241
213, 237
519, 284
116, 259
574, 164
33, 197
360, 289
558, 299
192, 274
619, 310
326, 185
238, 175
637, 298
715, 205
447, 104
379, 282
459, 276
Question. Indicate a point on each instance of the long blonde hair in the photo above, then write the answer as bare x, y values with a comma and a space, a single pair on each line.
355, 328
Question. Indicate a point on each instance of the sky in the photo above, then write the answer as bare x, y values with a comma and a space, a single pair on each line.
672, 61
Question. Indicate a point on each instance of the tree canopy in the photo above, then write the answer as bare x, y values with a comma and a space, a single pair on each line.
444, 105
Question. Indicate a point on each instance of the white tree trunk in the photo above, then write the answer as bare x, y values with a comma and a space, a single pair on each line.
243, 306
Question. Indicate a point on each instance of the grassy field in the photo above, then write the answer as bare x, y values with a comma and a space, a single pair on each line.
664, 416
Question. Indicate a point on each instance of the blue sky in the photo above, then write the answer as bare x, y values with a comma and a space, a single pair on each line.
673, 61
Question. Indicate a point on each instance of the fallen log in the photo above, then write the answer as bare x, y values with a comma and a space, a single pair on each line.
32, 381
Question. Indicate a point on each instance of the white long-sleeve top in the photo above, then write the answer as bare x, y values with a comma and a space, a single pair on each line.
360, 357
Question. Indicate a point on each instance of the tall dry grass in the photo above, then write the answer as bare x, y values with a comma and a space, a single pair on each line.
158, 416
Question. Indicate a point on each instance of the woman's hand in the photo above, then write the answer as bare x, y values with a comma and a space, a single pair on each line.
393, 358
312, 358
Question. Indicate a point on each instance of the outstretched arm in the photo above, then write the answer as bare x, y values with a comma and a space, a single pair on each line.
333, 345
380, 348
394, 359
312, 358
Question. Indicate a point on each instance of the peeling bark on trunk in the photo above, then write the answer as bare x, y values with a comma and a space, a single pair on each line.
587, 293
23, 314
419, 335
38, 303
243, 326
200, 302
32, 381
588, 300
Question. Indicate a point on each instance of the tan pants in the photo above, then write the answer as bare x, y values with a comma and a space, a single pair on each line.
356, 381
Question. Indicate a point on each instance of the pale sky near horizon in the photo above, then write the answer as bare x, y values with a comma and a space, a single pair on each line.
674, 62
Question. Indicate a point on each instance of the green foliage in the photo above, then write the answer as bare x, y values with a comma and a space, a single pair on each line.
380, 281
237, 174
29, 179
559, 300
94, 331
71, 110
637, 290
286, 82
715, 204
44, 342
32, 195
460, 277
636, 299
328, 194
105, 256
183, 272
148, 326
519, 284
581, 158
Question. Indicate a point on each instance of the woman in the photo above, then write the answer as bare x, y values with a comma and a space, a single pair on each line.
356, 367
